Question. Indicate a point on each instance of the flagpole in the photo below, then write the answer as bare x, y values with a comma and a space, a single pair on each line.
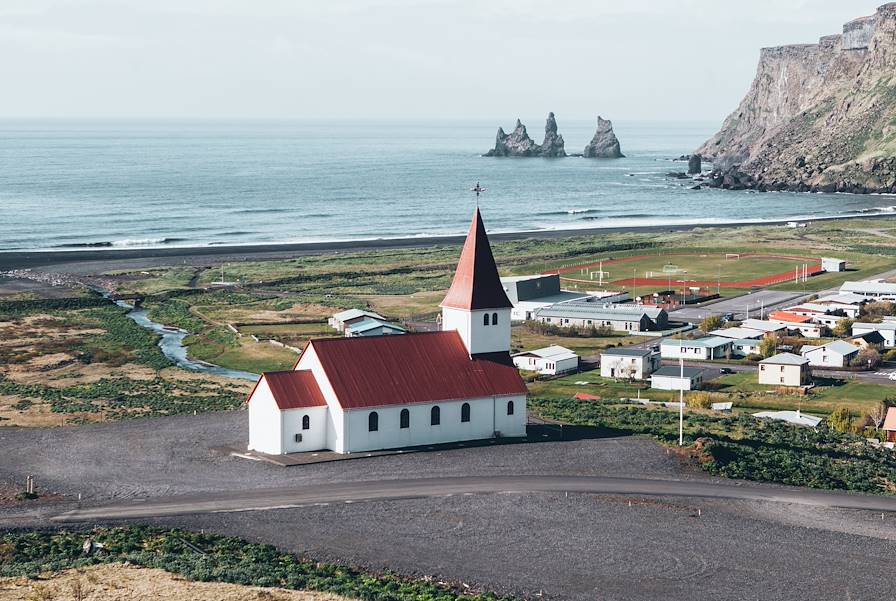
681, 403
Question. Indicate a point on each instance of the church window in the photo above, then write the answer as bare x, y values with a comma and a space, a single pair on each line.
373, 422
404, 419
465, 412
306, 422
494, 319
485, 319
509, 407
435, 416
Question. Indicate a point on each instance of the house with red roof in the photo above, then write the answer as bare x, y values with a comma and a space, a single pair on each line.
360, 394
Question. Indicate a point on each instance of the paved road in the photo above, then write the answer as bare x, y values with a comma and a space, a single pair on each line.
739, 306
268, 499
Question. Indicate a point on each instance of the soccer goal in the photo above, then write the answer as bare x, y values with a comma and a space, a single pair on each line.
600, 275
732, 256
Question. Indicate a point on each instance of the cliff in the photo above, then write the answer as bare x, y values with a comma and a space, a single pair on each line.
519, 144
604, 144
817, 116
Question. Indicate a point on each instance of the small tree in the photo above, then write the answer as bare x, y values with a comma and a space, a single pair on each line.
843, 327
867, 357
878, 413
876, 310
840, 419
713, 322
767, 346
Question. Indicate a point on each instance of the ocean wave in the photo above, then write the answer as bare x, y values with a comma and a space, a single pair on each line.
888, 209
625, 216
126, 243
573, 212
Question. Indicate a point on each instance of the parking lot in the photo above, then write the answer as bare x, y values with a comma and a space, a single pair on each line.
739, 306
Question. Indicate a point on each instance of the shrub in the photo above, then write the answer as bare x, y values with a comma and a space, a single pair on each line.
843, 328
866, 358
890, 355
713, 322
700, 400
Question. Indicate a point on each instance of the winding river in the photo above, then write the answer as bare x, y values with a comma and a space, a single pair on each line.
172, 345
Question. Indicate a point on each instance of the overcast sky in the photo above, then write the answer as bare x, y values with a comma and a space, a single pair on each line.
625, 59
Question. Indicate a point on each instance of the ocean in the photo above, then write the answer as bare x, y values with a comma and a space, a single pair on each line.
68, 185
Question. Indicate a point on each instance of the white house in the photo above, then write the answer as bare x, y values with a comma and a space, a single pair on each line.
372, 327
670, 378
551, 360
340, 320
737, 333
702, 349
832, 354
381, 392
745, 347
886, 329
784, 369
634, 363
849, 303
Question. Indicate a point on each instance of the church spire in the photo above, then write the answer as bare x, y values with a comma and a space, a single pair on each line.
476, 283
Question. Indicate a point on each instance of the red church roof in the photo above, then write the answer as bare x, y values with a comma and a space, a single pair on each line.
412, 368
476, 283
293, 389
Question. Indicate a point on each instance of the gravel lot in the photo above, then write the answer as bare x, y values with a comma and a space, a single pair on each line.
576, 547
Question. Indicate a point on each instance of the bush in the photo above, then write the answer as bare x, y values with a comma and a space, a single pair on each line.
866, 358
843, 328
700, 400
713, 322
550, 329
890, 355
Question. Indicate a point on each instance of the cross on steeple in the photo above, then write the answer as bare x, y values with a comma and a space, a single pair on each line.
478, 190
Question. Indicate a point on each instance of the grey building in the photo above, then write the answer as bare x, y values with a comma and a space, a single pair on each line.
620, 318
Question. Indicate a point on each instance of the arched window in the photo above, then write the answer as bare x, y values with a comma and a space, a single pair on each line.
465, 412
494, 319
435, 416
509, 407
306, 422
404, 420
485, 319
373, 422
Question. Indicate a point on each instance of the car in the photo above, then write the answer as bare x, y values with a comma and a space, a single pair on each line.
728, 370
892, 376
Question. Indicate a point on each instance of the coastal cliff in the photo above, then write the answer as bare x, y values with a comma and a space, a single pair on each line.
518, 143
604, 144
818, 117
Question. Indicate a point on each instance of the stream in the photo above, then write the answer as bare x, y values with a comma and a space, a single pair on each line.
172, 345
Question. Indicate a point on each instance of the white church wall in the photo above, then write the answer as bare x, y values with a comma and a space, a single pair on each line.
314, 438
335, 435
450, 429
511, 426
264, 421
471, 326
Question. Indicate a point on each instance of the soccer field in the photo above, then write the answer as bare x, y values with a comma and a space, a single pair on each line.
705, 270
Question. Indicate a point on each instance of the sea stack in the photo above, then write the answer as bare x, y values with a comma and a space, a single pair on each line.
695, 164
604, 144
519, 144
553, 142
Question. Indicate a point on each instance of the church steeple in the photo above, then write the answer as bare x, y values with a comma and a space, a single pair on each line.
476, 283
476, 304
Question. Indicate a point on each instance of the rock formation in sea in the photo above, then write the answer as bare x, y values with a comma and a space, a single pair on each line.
519, 144
604, 144
817, 117
695, 164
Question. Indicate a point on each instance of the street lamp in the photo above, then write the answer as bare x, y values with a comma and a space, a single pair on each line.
681, 403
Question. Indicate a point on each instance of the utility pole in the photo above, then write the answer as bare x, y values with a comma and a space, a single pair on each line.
681, 403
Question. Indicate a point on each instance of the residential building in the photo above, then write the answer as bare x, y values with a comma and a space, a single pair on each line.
551, 360
784, 369
372, 327
889, 425
833, 354
619, 318
340, 320
631, 363
873, 340
671, 378
745, 347
765, 326
738, 333
701, 349
796, 418
886, 329
379, 392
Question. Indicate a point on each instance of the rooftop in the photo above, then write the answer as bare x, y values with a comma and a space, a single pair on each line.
627, 352
737, 333
706, 342
555, 351
785, 359
354, 314
671, 371
763, 325
292, 389
875, 326
476, 284
372, 324
890, 420
838, 346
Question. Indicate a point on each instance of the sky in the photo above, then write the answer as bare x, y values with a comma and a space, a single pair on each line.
689, 60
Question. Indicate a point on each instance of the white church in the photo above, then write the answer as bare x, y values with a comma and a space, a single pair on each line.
383, 392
